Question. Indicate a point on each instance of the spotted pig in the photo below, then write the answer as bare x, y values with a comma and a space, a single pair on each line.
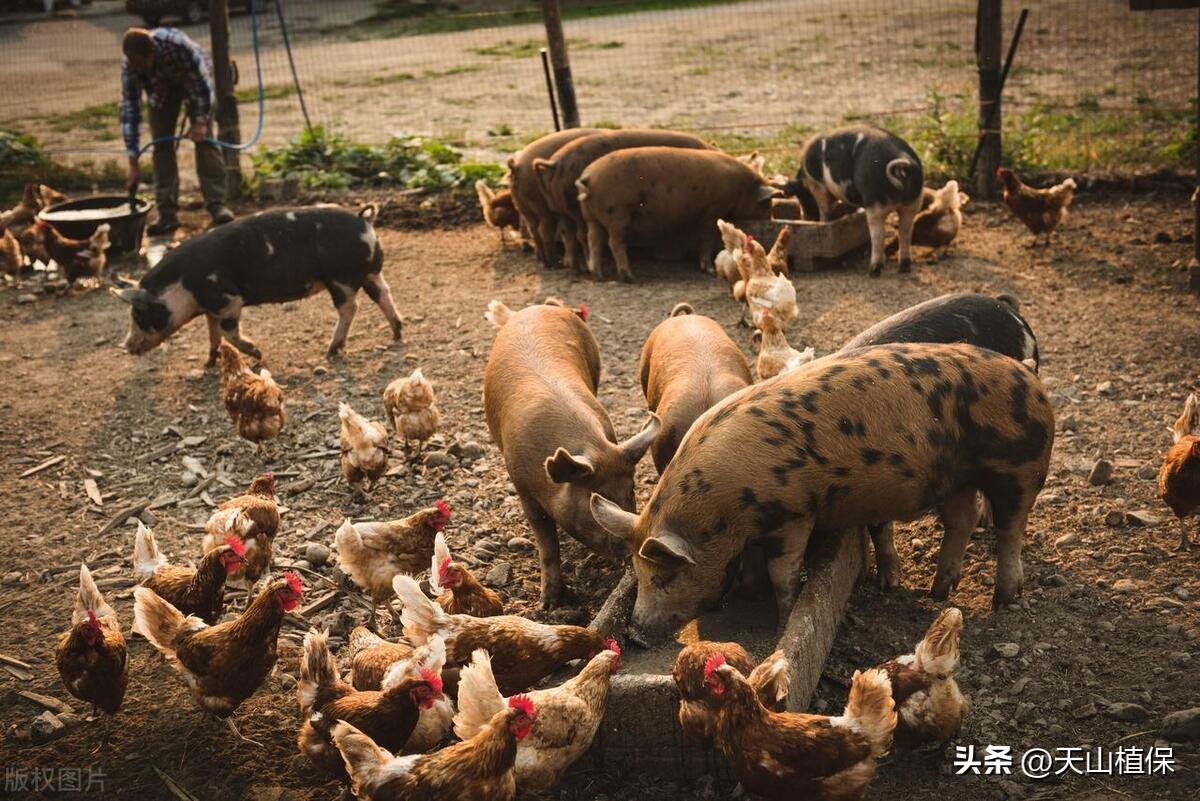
881, 434
560, 449
272, 257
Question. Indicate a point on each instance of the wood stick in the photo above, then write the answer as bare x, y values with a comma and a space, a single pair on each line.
123, 515
46, 465
12, 660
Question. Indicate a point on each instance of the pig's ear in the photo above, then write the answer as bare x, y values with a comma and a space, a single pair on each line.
766, 192
634, 447
613, 518
131, 295
667, 549
544, 166
563, 468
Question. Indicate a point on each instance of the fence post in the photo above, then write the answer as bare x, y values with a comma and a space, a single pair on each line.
228, 129
989, 18
552, 17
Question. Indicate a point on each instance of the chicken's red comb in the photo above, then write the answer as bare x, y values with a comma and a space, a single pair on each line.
95, 621
432, 679
445, 564
293, 582
712, 663
584, 312
523, 703
613, 646
443, 508
236, 545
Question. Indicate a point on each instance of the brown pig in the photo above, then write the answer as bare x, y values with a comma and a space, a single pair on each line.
539, 397
527, 191
559, 174
655, 190
855, 439
688, 364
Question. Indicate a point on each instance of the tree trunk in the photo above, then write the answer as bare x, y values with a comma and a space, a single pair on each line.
228, 126
561, 64
988, 42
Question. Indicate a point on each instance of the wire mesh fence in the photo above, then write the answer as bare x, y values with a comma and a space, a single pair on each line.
1095, 86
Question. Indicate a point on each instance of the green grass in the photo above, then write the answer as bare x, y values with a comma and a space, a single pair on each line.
22, 160
529, 47
459, 69
277, 91
97, 118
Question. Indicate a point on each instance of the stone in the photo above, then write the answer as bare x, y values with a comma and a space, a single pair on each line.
1114, 518
499, 575
1148, 471
1124, 586
1182, 593
568, 616
1182, 726
468, 451
23, 299
1128, 713
1066, 540
520, 544
320, 369
188, 479
12, 578
1101, 473
1105, 388
435, 459
1141, 518
46, 728
1068, 422
1006, 650
316, 554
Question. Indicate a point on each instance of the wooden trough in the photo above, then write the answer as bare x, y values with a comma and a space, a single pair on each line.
640, 731
814, 244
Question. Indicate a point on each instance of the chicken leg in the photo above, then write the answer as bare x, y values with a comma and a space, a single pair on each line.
1185, 542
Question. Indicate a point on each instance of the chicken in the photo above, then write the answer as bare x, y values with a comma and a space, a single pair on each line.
199, 592
91, 655
254, 402
775, 355
788, 755
929, 706
410, 408
499, 208
388, 716
698, 708
726, 262
25, 212
754, 161
1179, 478
1041, 210
223, 664
254, 519
568, 715
365, 448
372, 554
938, 223
766, 286
457, 590
77, 258
479, 769
523, 652
51, 196
12, 256
497, 313
370, 657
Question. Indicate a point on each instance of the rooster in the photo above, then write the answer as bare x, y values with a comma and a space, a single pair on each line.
698, 708
783, 756
766, 287
372, 554
568, 715
479, 769
223, 664
1179, 478
254, 401
370, 657
497, 313
523, 652
457, 590
775, 355
929, 706
499, 208
411, 409
365, 448
254, 519
77, 258
1041, 210
388, 716
91, 655
12, 257
199, 592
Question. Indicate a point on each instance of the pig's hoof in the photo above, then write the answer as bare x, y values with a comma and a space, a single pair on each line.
889, 581
876, 270
212, 359
906, 265
942, 587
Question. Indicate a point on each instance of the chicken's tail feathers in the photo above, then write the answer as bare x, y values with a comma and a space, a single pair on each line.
361, 637
89, 598
146, 556
870, 710
317, 668
441, 558
479, 698
771, 680
364, 759
1189, 421
497, 313
159, 622
422, 618
937, 652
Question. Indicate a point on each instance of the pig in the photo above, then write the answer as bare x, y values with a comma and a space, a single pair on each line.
559, 447
688, 364
655, 190
527, 190
271, 257
559, 174
873, 435
868, 168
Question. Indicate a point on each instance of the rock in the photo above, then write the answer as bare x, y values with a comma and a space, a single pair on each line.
1049, 499
1182, 593
499, 575
1066, 540
1006, 650
1019, 686
1141, 518
1101, 473
188, 479
1114, 518
435, 459
1128, 713
23, 299
1055, 580
1182, 725
316, 553
1105, 388
568, 616
1148, 471
917, 544
468, 451
1106, 625
320, 369
12, 579
46, 728
1124, 586
520, 544
1068, 422
1084, 712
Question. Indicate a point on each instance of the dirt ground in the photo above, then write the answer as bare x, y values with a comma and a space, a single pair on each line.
1111, 613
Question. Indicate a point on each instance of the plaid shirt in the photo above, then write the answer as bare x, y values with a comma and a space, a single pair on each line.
179, 63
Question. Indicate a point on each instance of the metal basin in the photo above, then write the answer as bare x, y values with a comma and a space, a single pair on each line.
79, 219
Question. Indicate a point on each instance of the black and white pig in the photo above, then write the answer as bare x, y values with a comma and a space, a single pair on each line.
871, 169
272, 257
870, 436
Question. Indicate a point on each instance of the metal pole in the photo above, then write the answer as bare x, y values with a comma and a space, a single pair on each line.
228, 127
552, 17
1194, 267
550, 88
287, 44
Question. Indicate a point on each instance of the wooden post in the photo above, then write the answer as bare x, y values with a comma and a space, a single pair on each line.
552, 17
1194, 266
228, 127
989, 18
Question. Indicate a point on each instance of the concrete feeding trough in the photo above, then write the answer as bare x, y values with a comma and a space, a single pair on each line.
814, 244
641, 730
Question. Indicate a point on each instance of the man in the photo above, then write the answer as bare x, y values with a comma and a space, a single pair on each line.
172, 70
